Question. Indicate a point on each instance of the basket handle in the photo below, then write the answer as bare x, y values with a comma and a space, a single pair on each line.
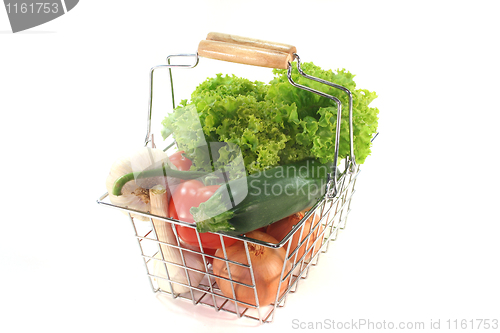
246, 51
262, 44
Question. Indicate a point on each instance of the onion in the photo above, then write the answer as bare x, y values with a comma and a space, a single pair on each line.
267, 264
282, 227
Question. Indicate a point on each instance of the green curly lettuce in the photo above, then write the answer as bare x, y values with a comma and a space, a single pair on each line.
272, 124
319, 134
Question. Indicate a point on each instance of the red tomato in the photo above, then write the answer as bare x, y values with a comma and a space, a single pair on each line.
190, 194
180, 162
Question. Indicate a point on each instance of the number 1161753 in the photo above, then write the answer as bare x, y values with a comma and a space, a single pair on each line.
32, 8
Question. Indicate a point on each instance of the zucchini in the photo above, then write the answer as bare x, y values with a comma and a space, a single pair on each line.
246, 204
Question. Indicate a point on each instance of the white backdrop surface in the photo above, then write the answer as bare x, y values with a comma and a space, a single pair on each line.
421, 244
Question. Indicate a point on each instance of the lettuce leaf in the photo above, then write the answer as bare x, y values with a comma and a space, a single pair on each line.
321, 130
273, 124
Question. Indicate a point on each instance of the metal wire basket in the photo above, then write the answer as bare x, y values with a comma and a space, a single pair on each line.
318, 227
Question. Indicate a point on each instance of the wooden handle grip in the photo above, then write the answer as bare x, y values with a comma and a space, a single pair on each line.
244, 54
262, 44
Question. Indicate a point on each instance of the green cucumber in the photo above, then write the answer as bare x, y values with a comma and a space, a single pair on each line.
247, 204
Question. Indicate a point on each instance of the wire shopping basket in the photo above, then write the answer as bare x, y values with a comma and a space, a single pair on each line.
302, 245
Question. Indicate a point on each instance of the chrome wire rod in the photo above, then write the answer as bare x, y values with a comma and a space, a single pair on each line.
332, 181
151, 74
331, 84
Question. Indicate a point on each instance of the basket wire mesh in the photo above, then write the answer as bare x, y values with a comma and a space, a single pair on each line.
328, 216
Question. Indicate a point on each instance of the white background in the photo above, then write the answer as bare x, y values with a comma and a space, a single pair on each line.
421, 242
